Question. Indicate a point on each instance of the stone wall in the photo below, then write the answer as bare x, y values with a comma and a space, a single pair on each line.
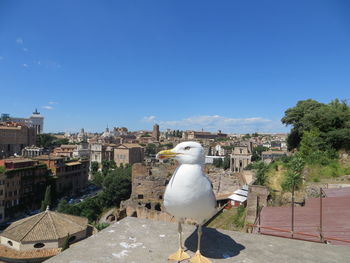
150, 182
257, 197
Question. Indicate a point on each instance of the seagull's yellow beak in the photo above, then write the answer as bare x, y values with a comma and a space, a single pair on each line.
165, 154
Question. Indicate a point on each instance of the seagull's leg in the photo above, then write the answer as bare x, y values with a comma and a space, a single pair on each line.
198, 258
180, 254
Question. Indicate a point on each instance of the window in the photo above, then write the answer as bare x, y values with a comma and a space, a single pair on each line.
140, 196
1, 192
10, 243
39, 245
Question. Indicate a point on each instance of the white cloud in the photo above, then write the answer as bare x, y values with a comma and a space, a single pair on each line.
149, 118
47, 107
25, 65
230, 125
52, 102
19, 41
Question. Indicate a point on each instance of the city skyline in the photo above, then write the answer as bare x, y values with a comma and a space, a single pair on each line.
184, 65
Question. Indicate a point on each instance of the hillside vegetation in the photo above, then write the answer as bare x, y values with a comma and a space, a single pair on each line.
320, 134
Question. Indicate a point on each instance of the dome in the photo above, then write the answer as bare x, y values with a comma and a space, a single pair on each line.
47, 229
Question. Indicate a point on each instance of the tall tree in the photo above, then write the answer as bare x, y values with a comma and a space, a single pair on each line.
47, 199
331, 120
66, 243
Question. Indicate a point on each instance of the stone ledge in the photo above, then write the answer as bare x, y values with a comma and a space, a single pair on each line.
134, 240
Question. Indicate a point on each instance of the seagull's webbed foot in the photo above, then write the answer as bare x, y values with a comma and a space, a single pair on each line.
198, 258
179, 255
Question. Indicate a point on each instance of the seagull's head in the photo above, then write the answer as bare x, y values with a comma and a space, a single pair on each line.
185, 153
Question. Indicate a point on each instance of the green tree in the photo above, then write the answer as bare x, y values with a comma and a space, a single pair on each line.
45, 140
94, 167
63, 206
101, 226
226, 163
97, 178
66, 243
261, 170
217, 162
151, 149
331, 120
59, 142
47, 199
209, 151
256, 153
293, 176
116, 187
105, 167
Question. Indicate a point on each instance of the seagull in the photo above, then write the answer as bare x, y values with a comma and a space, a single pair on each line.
189, 193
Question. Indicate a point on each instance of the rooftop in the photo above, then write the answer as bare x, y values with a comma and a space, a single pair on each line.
47, 225
141, 240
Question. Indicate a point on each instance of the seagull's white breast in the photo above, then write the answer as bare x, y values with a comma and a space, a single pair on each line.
189, 194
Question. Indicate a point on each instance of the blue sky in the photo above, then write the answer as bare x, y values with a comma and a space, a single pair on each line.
229, 65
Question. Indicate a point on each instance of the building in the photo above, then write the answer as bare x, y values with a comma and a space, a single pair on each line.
100, 152
269, 156
71, 176
156, 132
22, 185
35, 121
192, 135
33, 151
14, 137
240, 158
82, 151
65, 150
46, 230
240, 196
128, 153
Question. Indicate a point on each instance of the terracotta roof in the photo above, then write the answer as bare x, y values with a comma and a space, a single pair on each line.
47, 225
68, 146
130, 145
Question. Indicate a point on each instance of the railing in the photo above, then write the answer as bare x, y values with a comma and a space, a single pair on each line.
320, 238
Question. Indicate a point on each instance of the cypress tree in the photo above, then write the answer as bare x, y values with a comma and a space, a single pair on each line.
66, 243
47, 199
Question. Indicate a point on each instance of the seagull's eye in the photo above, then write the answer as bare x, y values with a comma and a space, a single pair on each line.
187, 148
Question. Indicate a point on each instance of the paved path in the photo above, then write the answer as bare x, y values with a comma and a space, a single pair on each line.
134, 240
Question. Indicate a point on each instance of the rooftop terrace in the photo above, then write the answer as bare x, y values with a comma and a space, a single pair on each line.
140, 241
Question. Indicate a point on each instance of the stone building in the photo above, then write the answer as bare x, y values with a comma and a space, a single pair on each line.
14, 137
128, 153
149, 182
156, 132
100, 152
71, 176
33, 151
45, 230
269, 156
65, 150
22, 185
82, 151
35, 121
192, 135
240, 158
148, 186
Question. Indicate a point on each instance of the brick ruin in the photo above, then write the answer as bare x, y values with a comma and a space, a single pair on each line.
148, 186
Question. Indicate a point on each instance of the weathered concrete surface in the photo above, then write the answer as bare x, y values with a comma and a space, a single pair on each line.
134, 240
